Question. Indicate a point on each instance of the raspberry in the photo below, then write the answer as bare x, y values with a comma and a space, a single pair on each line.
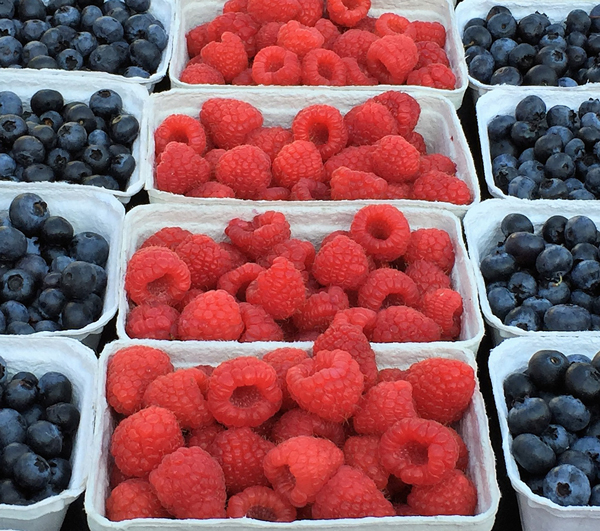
391, 58
240, 24
309, 190
341, 262
396, 160
157, 321
299, 467
329, 31
228, 56
156, 275
403, 107
319, 309
417, 141
362, 453
368, 123
454, 494
169, 237
238, 258
442, 388
310, 12
211, 189
463, 452
329, 384
300, 252
354, 43
438, 162
429, 31
390, 24
228, 121
205, 259
235, 6
258, 236
204, 436
134, 498
366, 24
434, 75
350, 184
356, 74
427, 276
212, 157
140, 441
418, 451
404, 510
438, 186
244, 78
281, 360
324, 126
201, 74
399, 191
180, 169
274, 65
382, 230
261, 503
299, 160
236, 281
297, 422
388, 287
180, 128
391, 375
351, 494
189, 483
299, 38
433, 245
116, 477
361, 317
246, 169
240, 452
128, 374
403, 324
270, 139
348, 13
279, 290
274, 193
430, 53
273, 10
323, 67
353, 158
196, 39
258, 324
267, 35
243, 392
212, 315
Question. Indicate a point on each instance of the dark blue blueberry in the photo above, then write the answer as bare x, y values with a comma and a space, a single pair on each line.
107, 30
120, 14
106, 103
595, 496
517, 386
498, 265
7, 165
579, 229
554, 262
45, 439
567, 82
30, 9
524, 134
124, 128
137, 27
522, 57
75, 171
590, 119
101, 280
58, 159
7, 28
102, 181
33, 414
31, 472
56, 230
523, 285
576, 56
81, 114
546, 368
13, 244
589, 446
69, 59
523, 318
567, 317
547, 145
557, 438
9, 456
18, 285
60, 473
99, 137
7, 8
38, 173
575, 149
97, 157
516, 223
27, 213
51, 303
94, 304
11, 128
531, 27
531, 415
85, 43
523, 188
20, 395
119, 149
34, 49
578, 20
502, 25
10, 103
553, 40
72, 136
10, 51
122, 167
45, 134
11, 494
138, 6
55, 41
582, 380
88, 16
51, 280
12, 427
470, 53
18, 328
481, 66
578, 358
477, 36
524, 247
66, 16
589, 135
580, 298
33, 30
567, 485
553, 189
503, 146
532, 169
586, 275
541, 75
500, 127
569, 412
554, 58
14, 312
28, 150
501, 301
64, 415
531, 453
566, 135
59, 263
35, 265
78, 280
580, 460
104, 59
553, 229
76, 315
538, 304
158, 36
475, 22
506, 75
47, 326
573, 184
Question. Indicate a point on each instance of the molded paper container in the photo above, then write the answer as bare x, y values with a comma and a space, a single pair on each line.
438, 123
74, 87
537, 513
192, 13
79, 364
309, 223
473, 428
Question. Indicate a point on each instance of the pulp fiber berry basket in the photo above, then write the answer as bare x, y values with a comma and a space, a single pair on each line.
307, 223
536, 511
473, 428
79, 364
438, 123
192, 13
74, 87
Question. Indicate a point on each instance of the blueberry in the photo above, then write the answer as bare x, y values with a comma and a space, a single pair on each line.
9, 456
557, 438
69, 59
506, 75
60, 472
586, 275
51, 280
11, 494
104, 59
502, 25
44, 438
33, 414
531, 453
589, 446
51, 302
523, 318
67, 16
57, 159
20, 395
18, 285
553, 189
503, 146
500, 126
481, 67
90, 247
538, 304
567, 317
475, 22
47, 326
136, 27
45, 134
31, 472
529, 416
28, 150
531, 27
542, 75
524, 247
579, 229
42, 61
158, 36
102, 181
81, 114
101, 280
71, 136
579, 460
546, 368
569, 412
26, 375
75, 171
523, 285
28, 212
554, 58
501, 301
19, 328
89, 15
120, 14
54, 387
107, 30
59, 263
33, 264
516, 223
578, 20
589, 135
97, 157
76, 315
554, 228
85, 43
580, 298
517, 386
138, 6
578, 358
106, 103
13, 244
7, 8
470, 53
65, 416
525, 134
547, 145
78, 280
561, 115
498, 266
14, 312
567, 485
582, 380
56, 230
12, 427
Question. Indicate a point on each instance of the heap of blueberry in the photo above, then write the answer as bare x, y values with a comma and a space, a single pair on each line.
50, 278
38, 423
118, 37
548, 281
534, 51
554, 418
75, 142
542, 153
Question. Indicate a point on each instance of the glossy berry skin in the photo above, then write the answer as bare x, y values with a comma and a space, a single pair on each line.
547, 368
529, 416
582, 380
532, 454
567, 485
31, 472
569, 412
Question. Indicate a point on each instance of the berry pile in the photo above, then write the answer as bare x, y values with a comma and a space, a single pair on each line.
534, 51
118, 37
542, 153
50, 278
317, 42
554, 420
546, 281
373, 152
71, 142
38, 423
392, 284
287, 437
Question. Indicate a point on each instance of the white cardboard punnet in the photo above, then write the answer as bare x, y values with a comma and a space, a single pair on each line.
79, 364
473, 428
192, 14
537, 513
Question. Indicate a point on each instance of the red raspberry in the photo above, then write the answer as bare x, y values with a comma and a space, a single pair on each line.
429, 31
348, 13
427, 276
116, 477
311, 12
211, 189
201, 74
366, 24
438, 186
241, 452
299, 160
438, 162
341, 262
258, 236
274, 65
243, 392
205, 259
299, 467
403, 324
324, 126
388, 287
390, 24
229, 121
169, 237
235, 6
418, 451
382, 230
399, 191
391, 58
368, 123
258, 324
391, 375
228, 56
362, 453
351, 494
433, 245
454, 494
189, 483
156, 275
403, 107
267, 35
236, 281
354, 43
361, 317
309, 190
270, 139
180, 169
300, 252
279, 290
140, 441
323, 67
212, 315
274, 193
196, 39
129, 372
299, 38
204, 436
246, 169
244, 78
353, 158
212, 157
356, 74
329, 384
273, 10
396, 160
240, 24
134, 498
297, 422
442, 388
434, 75
261, 503
157, 321
329, 30
281, 359
320, 308
417, 141
238, 258
463, 452
180, 128
350, 184
430, 53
